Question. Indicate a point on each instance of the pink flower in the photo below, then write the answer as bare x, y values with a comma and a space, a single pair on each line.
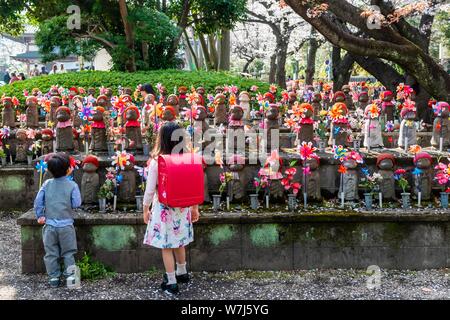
306, 171
254, 88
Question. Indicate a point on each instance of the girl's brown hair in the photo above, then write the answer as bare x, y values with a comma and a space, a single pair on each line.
164, 143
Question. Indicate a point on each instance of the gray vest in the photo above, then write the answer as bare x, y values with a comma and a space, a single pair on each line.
58, 199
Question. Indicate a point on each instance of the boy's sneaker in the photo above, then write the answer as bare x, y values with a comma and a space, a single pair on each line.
54, 282
171, 289
183, 278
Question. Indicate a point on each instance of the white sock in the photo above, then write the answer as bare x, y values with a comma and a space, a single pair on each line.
181, 269
171, 278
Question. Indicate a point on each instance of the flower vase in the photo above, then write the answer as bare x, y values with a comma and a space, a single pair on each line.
102, 205
139, 203
216, 201
110, 149
4, 162
321, 145
368, 199
406, 200
444, 200
292, 202
30, 160
146, 149
356, 144
254, 203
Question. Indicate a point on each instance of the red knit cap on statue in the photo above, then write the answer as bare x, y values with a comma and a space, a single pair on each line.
92, 160
171, 109
385, 156
269, 96
47, 132
422, 155
339, 94
75, 133
66, 109
133, 108
101, 109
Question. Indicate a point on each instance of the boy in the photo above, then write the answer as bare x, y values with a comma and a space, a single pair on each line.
53, 206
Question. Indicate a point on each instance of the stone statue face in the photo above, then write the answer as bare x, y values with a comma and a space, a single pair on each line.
410, 115
21, 135
109, 92
172, 100
201, 114
102, 102
317, 97
236, 113
244, 97
423, 163
350, 164
340, 99
386, 164
128, 91
149, 99
31, 103
7, 104
55, 102
62, 116
363, 97
201, 90
218, 90
89, 167
131, 115
313, 164
292, 98
220, 99
309, 113
388, 98
346, 89
46, 137
235, 167
97, 116
167, 115
272, 113
91, 91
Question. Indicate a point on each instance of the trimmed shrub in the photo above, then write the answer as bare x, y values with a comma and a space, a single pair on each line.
95, 79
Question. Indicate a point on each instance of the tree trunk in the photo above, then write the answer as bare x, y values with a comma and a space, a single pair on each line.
144, 47
281, 64
191, 50
247, 65
342, 68
182, 24
208, 61
225, 50
273, 68
213, 51
129, 36
311, 59
384, 73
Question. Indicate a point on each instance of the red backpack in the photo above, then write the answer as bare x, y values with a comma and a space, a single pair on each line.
180, 180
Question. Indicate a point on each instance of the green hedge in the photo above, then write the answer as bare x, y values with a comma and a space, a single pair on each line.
96, 79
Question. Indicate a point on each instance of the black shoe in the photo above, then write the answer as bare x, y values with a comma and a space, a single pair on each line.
183, 278
169, 288
54, 282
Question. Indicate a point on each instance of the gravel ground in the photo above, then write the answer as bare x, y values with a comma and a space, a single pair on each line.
311, 284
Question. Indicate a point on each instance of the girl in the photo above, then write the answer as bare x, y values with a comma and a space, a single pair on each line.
169, 229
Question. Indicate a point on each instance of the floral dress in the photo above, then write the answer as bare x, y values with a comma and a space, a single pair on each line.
169, 227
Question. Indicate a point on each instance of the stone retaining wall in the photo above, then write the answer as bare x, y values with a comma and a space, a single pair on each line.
17, 187
232, 241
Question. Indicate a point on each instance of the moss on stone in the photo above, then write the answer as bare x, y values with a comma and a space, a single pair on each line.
222, 233
27, 234
113, 238
265, 235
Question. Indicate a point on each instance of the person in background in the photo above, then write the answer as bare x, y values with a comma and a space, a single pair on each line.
62, 70
6, 77
35, 72
14, 78
54, 69
22, 76
147, 89
44, 71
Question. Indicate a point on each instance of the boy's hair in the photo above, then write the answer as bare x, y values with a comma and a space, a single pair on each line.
58, 164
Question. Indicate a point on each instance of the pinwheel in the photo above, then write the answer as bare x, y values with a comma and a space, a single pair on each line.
41, 167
